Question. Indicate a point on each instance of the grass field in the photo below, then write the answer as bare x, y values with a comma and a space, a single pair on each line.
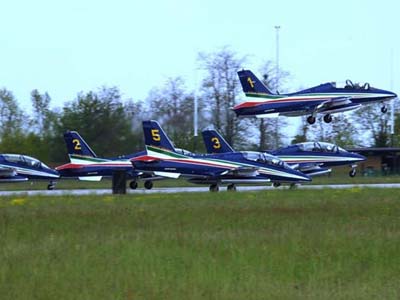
286, 244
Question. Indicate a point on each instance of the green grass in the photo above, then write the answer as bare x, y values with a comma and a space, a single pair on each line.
285, 244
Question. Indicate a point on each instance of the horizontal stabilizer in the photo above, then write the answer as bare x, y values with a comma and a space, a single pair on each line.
90, 178
168, 174
270, 116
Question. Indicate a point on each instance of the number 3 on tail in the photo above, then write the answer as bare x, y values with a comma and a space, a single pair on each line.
216, 143
77, 144
155, 134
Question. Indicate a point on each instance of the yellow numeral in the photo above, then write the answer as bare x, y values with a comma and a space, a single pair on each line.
155, 135
216, 142
77, 144
251, 82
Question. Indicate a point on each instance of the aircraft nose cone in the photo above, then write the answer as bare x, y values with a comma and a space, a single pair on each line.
359, 157
304, 177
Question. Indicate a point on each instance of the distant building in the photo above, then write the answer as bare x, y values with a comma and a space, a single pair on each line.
380, 161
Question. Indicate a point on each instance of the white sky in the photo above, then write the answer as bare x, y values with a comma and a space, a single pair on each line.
64, 47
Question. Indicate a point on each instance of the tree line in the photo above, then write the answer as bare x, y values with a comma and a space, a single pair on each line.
112, 125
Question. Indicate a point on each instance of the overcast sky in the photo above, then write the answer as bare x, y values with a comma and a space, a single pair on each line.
64, 47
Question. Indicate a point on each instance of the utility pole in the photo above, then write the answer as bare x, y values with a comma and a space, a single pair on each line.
391, 102
277, 27
195, 107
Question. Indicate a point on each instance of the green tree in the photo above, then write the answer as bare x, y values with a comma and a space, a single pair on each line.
172, 106
270, 130
374, 126
101, 119
220, 89
11, 123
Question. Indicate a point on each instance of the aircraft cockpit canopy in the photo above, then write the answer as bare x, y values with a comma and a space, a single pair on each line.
24, 160
320, 147
184, 152
263, 157
356, 86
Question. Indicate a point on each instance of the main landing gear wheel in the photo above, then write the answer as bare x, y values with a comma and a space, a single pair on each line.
327, 118
384, 109
276, 184
353, 172
133, 185
231, 187
214, 188
51, 185
311, 120
148, 184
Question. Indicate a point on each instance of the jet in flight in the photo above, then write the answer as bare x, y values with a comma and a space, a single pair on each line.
325, 99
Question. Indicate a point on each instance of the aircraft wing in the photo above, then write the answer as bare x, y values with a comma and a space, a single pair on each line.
315, 170
8, 174
336, 104
243, 171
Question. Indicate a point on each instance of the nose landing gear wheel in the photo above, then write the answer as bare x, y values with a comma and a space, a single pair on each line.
231, 187
384, 109
276, 184
133, 185
327, 118
148, 184
353, 172
311, 120
214, 188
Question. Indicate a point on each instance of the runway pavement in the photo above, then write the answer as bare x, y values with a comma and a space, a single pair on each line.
200, 189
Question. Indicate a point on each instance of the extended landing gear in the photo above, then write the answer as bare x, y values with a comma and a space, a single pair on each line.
384, 109
311, 120
133, 185
353, 172
148, 184
51, 185
231, 187
276, 184
214, 188
328, 118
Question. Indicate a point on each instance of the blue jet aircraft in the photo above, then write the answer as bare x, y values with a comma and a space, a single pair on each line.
17, 168
215, 169
311, 158
85, 165
323, 99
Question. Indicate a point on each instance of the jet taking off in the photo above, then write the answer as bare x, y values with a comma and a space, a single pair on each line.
311, 158
162, 158
17, 168
323, 99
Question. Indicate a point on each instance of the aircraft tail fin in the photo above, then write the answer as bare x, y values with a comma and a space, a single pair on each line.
155, 136
76, 145
251, 84
215, 143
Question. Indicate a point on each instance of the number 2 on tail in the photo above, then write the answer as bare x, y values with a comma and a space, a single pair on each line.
77, 144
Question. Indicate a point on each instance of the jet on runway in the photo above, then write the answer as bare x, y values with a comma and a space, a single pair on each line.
85, 165
162, 158
311, 158
17, 168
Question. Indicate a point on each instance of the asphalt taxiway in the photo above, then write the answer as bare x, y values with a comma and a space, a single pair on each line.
200, 189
